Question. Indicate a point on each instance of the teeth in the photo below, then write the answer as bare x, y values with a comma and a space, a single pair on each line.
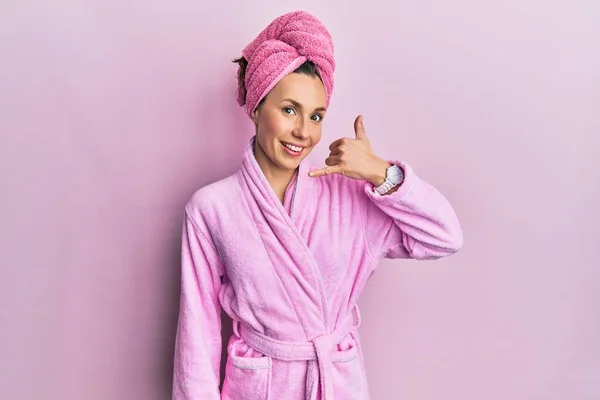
292, 147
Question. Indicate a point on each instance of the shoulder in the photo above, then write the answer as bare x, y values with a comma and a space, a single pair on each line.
206, 202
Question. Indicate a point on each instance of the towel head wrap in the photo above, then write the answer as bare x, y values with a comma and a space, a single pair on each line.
284, 45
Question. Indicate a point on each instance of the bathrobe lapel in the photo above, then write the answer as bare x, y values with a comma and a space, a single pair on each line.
292, 259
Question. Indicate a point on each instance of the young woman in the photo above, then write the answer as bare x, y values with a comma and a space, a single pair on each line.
284, 249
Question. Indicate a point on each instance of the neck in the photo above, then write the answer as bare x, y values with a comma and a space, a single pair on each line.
277, 177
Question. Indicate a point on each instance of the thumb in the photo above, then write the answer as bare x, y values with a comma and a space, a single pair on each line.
359, 128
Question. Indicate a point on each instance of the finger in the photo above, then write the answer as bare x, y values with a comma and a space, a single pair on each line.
359, 128
332, 160
336, 144
335, 152
336, 169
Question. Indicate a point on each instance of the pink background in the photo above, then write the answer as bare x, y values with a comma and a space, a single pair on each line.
112, 113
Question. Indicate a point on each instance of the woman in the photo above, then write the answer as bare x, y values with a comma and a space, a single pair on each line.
285, 250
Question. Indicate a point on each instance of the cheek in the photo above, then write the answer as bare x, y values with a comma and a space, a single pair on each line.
316, 135
272, 126
267, 131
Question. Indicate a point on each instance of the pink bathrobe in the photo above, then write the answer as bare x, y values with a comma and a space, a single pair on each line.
290, 276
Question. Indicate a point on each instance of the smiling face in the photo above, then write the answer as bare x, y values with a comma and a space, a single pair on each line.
289, 122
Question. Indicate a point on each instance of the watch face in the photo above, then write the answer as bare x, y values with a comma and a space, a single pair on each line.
395, 175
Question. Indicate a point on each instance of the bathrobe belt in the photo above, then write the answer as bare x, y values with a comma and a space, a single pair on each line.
319, 349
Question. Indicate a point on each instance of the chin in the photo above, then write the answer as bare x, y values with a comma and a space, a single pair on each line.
285, 161
290, 164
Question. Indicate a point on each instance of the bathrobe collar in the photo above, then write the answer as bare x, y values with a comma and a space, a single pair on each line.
299, 181
280, 233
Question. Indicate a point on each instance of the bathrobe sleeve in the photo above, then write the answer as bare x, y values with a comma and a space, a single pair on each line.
196, 373
416, 221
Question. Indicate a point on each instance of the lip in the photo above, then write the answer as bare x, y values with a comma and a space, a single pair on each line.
294, 144
292, 153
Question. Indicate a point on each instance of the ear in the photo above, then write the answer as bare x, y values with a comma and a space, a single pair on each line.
254, 116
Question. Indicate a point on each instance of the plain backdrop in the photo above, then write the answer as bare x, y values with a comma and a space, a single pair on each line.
112, 113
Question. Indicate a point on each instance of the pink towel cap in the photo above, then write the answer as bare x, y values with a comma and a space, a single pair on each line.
284, 45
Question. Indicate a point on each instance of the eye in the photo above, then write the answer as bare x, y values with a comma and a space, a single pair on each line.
317, 117
289, 110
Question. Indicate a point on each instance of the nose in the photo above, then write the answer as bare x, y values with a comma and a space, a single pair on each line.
300, 129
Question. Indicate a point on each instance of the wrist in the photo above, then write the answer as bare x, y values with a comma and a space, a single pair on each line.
379, 171
394, 178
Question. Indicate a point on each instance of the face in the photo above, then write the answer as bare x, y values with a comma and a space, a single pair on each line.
289, 121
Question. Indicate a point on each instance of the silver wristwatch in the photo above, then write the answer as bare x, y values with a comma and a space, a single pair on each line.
393, 177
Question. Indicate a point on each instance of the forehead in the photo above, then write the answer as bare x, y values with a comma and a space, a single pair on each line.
306, 90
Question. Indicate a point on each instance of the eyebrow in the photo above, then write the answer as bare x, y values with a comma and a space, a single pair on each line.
300, 106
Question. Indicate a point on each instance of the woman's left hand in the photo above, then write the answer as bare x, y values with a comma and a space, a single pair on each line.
354, 158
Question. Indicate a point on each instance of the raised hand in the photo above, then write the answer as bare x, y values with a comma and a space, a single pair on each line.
354, 158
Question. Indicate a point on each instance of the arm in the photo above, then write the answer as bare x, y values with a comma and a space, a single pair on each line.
196, 373
412, 221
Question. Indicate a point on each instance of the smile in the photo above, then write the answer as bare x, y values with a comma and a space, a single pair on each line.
292, 149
